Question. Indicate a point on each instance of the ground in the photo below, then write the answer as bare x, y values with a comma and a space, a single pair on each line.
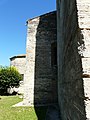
7, 112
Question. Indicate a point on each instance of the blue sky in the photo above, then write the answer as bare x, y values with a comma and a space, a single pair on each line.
13, 16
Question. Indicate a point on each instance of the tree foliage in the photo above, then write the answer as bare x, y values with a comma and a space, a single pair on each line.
9, 77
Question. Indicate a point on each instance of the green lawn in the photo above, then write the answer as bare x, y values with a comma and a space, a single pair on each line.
7, 112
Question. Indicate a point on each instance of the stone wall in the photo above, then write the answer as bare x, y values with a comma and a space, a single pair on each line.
84, 25
40, 82
73, 58
19, 62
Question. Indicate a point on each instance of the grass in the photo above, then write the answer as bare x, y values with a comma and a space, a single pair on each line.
7, 112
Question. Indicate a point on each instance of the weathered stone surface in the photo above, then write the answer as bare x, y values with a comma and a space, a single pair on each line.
87, 96
83, 13
19, 62
72, 46
40, 82
84, 24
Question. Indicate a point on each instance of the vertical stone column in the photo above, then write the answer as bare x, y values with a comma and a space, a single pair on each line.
84, 25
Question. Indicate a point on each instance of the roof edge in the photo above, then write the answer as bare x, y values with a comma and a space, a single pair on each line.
46, 14
18, 56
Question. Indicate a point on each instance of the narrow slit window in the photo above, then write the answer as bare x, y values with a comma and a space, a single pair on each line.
54, 53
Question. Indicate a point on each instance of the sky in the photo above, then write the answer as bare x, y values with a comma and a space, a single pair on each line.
13, 29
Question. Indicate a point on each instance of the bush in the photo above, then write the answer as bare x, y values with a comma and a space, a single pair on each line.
9, 77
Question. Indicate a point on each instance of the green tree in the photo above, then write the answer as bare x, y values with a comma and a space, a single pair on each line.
9, 77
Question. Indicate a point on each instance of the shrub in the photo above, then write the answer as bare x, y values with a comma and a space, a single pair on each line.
9, 77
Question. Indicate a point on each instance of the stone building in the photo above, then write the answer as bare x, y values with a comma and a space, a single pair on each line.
19, 62
58, 59
40, 79
39, 65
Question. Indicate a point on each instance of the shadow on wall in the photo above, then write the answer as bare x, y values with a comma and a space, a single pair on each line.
70, 48
71, 88
45, 87
78, 84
